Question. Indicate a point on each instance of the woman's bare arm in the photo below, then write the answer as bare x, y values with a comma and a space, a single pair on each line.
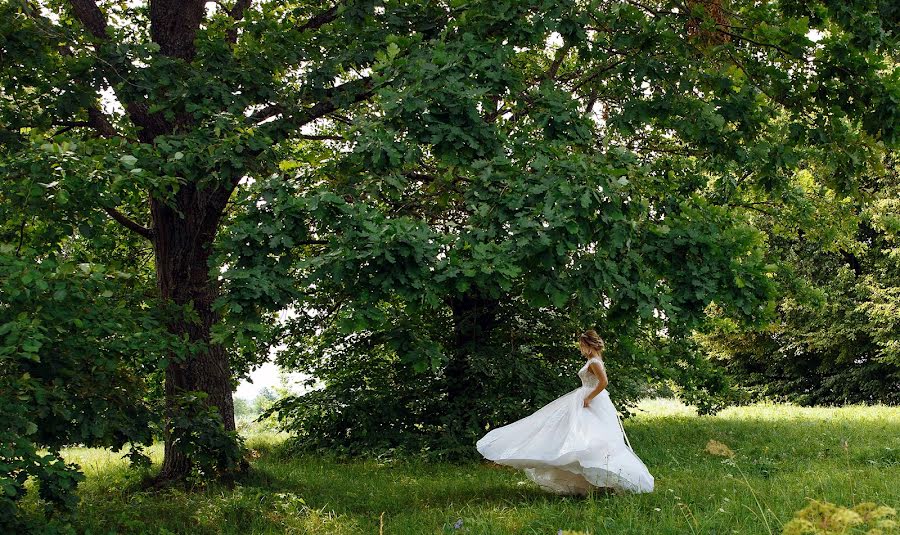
597, 370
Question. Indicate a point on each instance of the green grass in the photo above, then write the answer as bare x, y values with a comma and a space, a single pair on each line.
785, 455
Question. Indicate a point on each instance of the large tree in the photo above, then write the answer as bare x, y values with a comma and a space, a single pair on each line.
610, 180
154, 114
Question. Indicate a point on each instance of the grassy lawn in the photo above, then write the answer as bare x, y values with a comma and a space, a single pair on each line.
784, 456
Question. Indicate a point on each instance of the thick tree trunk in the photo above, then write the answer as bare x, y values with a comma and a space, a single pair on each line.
474, 318
183, 240
183, 231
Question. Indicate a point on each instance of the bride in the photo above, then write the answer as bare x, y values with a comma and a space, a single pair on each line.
575, 442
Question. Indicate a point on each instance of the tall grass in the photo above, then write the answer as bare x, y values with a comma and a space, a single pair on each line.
783, 457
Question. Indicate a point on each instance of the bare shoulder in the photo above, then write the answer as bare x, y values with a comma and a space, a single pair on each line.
596, 366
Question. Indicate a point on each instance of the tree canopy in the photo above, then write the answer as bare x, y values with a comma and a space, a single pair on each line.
614, 183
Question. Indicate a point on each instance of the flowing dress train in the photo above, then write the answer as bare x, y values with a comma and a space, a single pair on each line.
567, 448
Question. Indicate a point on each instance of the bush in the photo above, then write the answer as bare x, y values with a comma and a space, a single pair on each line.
70, 360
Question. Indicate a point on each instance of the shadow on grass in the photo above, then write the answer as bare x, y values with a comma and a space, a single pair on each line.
347, 489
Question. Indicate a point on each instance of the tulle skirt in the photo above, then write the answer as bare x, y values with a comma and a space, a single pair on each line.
568, 449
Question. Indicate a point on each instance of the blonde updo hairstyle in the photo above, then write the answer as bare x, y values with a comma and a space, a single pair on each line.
591, 344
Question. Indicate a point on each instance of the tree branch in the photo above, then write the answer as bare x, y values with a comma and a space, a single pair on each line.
100, 123
746, 39
87, 12
337, 97
341, 119
854, 262
592, 98
131, 225
68, 125
557, 62
654, 12
321, 19
354, 92
266, 113
90, 15
174, 25
753, 206
21, 235
597, 72
237, 13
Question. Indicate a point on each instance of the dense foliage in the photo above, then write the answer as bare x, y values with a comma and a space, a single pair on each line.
835, 337
125, 128
369, 400
595, 166
83, 346
67, 373
80, 340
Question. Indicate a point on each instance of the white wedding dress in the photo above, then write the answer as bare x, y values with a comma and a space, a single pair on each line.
567, 448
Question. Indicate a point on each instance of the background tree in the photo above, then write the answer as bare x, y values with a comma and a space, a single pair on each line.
243, 409
834, 340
